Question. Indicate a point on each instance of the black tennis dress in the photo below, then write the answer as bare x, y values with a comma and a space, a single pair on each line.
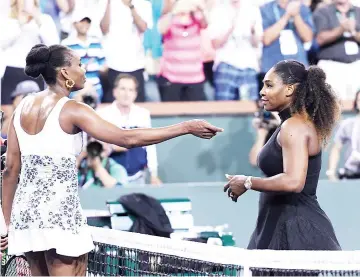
291, 221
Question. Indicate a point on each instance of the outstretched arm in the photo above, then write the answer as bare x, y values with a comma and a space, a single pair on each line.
90, 122
294, 142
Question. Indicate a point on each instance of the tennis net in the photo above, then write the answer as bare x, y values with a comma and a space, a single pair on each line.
120, 253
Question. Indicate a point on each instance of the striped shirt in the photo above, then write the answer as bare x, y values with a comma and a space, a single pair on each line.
182, 55
92, 57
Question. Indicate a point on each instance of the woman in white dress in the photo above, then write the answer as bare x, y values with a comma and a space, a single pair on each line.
42, 211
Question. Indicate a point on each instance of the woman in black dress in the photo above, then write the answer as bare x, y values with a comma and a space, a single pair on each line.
290, 217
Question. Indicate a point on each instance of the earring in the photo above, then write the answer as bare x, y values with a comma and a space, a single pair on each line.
68, 85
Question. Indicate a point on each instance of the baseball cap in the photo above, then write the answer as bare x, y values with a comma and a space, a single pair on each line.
25, 87
80, 15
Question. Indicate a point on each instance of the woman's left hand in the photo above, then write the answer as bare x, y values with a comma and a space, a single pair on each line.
235, 187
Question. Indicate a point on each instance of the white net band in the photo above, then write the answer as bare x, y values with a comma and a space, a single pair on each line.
308, 260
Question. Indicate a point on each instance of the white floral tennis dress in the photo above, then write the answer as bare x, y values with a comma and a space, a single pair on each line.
46, 212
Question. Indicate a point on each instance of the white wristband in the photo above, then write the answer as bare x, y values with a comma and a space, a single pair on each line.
248, 183
330, 172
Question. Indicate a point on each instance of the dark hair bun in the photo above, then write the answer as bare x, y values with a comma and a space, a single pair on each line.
316, 74
36, 60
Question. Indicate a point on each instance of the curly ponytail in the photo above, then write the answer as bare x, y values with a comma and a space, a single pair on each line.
313, 96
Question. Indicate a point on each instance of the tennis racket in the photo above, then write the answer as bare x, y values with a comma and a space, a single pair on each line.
12, 265
16, 266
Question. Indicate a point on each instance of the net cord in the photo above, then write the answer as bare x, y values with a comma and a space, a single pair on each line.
308, 260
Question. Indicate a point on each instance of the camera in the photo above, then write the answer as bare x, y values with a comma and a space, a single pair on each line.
94, 149
266, 119
90, 100
263, 115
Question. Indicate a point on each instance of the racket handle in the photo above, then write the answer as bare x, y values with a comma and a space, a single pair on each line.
4, 256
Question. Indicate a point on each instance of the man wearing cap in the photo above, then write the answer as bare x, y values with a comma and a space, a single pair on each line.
22, 89
90, 51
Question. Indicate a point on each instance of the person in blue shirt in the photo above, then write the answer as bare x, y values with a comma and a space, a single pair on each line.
287, 26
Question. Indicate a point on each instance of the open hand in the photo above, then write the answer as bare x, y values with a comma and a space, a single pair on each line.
33, 13
23, 18
235, 187
202, 129
293, 8
127, 3
332, 177
348, 24
183, 6
155, 181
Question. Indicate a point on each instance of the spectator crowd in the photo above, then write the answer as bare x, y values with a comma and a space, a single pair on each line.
174, 50
185, 50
